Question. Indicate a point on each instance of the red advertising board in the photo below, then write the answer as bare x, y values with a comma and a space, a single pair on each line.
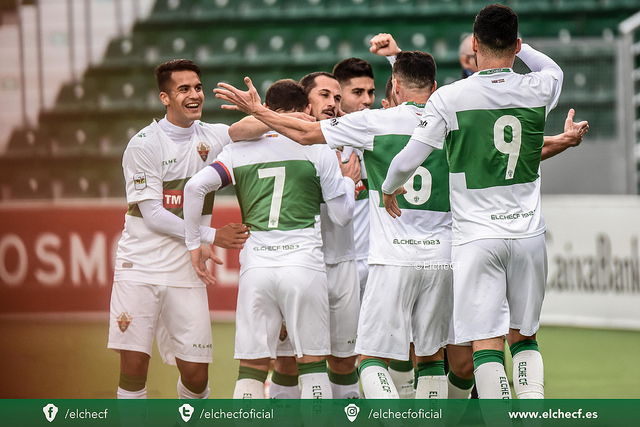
59, 257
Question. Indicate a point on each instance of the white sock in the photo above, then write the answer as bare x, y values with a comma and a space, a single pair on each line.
528, 375
185, 393
432, 387
403, 381
277, 391
248, 388
315, 385
492, 382
455, 392
340, 391
377, 383
126, 394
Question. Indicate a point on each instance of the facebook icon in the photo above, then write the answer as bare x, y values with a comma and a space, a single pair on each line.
50, 411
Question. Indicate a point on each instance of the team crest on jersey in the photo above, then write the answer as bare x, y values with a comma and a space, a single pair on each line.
124, 320
140, 180
203, 151
283, 332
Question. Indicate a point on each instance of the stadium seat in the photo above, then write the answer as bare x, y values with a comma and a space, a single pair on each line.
214, 9
221, 47
126, 50
32, 184
317, 45
270, 46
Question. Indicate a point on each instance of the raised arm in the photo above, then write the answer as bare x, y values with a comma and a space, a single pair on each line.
301, 131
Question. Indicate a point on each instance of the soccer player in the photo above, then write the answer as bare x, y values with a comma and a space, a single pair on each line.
155, 290
355, 76
491, 125
401, 295
460, 359
280, 186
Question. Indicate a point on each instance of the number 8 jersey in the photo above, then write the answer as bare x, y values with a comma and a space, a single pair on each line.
491, 126
423, 231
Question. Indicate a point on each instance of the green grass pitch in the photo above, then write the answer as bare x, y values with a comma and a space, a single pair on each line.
69, 359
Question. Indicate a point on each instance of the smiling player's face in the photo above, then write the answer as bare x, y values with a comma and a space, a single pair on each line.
325, 98
183, 98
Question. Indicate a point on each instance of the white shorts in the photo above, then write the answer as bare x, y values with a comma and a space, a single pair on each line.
270, 295
498, 284
363, 273
404, 303
178, 318
344, 307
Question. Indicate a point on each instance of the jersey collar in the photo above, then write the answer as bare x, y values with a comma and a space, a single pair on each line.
495, 71
415, 104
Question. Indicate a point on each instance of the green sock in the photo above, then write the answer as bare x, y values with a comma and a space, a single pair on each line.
401, 365
519, 346
252, 373
486, 356
344, 379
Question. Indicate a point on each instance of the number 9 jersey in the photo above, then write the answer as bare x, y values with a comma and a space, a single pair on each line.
491, 126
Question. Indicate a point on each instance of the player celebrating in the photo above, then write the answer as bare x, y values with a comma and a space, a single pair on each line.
280, 186
492, 126
155, 290
395, 285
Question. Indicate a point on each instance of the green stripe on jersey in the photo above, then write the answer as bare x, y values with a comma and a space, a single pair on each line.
284, 195
429, 185
497, 147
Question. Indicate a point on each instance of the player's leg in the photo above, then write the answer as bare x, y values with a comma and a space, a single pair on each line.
460, 378
431, 322
481, 312
375, 378
527, 274
432, 381
133, 312
284, 379
133, 375
305, 308
385, 303
258, 324
403, 375
344, 307
193, 382
252, 374
184, 339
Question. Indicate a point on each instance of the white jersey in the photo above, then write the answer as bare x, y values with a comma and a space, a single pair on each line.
156, 168
491, 125
280, 185
338, 242
423, 232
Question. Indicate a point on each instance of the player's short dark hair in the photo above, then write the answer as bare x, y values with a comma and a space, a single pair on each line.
496, 28
164, 71
286, 95
350, 68
415, 69
308, 82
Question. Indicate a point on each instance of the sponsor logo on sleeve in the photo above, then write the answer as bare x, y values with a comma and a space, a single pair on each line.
140, 180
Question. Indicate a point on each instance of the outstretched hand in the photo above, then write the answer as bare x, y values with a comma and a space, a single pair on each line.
247, 101
231, 236
384, 44
199, 259
391, 203
575, 131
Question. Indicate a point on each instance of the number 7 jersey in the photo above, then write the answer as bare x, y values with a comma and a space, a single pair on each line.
491, 125
280, 185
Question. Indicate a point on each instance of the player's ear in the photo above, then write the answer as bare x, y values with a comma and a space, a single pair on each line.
385, 103
474, 44
164, 97
307, 110
266, 106
518, 45
435, 86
